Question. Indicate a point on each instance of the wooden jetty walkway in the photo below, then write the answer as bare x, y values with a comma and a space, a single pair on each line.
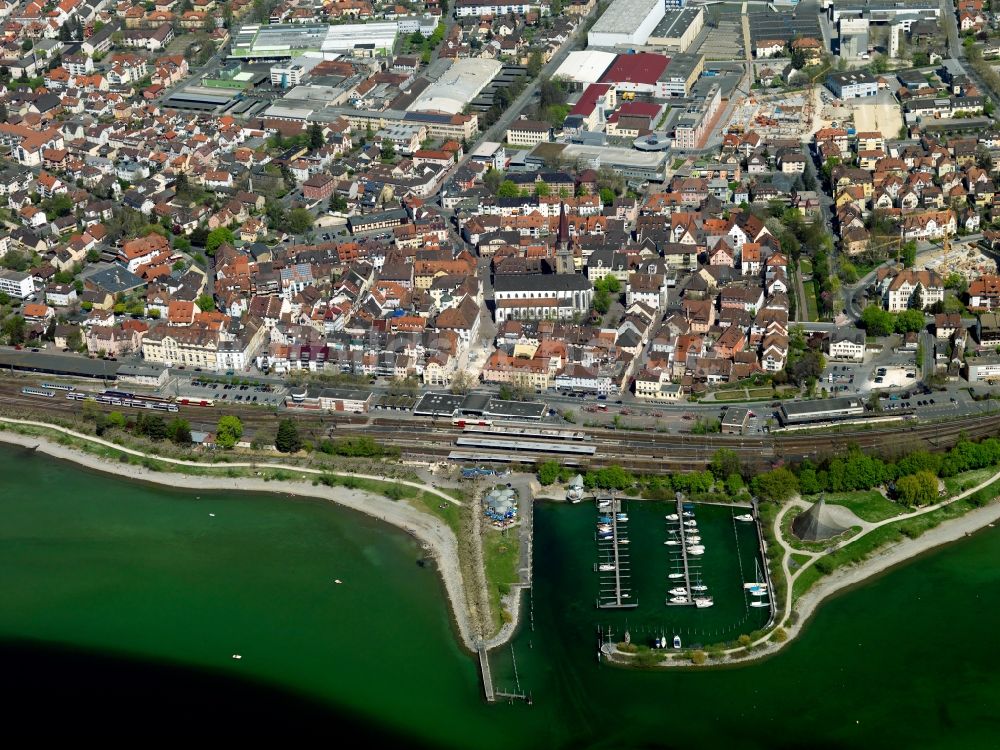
484, 668
620, 599
684, 556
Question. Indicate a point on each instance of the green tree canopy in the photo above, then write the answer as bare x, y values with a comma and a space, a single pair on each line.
917, 489
876, 321
228, 431
508, 189
287, 439
218, 237
776, 485
548, 472
299, 220
910, 320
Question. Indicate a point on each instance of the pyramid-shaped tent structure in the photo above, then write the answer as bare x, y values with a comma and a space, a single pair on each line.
816, 524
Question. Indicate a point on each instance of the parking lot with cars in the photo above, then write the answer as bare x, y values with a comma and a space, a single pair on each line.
254, 394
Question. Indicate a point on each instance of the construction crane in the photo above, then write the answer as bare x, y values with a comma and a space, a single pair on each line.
807, 111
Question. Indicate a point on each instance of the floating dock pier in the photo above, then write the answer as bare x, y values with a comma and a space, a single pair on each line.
684, 558
615, 595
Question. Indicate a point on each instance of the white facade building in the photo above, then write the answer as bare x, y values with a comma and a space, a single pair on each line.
626, 23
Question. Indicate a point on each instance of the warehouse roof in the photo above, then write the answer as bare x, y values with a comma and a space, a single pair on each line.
458, 86
585, 66
644, 67
622, 16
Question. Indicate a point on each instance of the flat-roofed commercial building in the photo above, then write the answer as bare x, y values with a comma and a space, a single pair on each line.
680, 75
678, 29
460, 84
984, 367
583, 67
626, 23
497, 8
285, 40
692, 124
16, 283
799, 412
628, 162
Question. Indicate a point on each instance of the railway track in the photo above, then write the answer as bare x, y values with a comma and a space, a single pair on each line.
639, 451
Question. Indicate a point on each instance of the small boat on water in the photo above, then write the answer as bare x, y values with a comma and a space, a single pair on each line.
688, 514
604, 519
691, 524
699, 587
696, 548
675, 575
623, 541
658, 643
677, 641
237, 656
761, 603
693, 539
606, 567
679, 600
672, 542
696, 551
672, 517
702, 602
621, 516
745, 517
754, 585
758, 592
678, 591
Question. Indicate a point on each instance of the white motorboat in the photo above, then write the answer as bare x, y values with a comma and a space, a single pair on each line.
623, 541
691, 524
675, 575
672, 517
699, 587
678, 591
696, 548
679, 600
703, 601
677, 641
672, 542
621, 516
237, 656
606, 567
761, 603
658, 643
688, 514
745, 517
758, 592
696, 551
693, 539
755, 586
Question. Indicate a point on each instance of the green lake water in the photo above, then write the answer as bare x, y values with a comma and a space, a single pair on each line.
118, 572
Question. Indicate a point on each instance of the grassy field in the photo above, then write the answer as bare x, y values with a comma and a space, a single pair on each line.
751, 394
868, 506
448, 512
812, 308
805, 267
961, 482
501, 553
